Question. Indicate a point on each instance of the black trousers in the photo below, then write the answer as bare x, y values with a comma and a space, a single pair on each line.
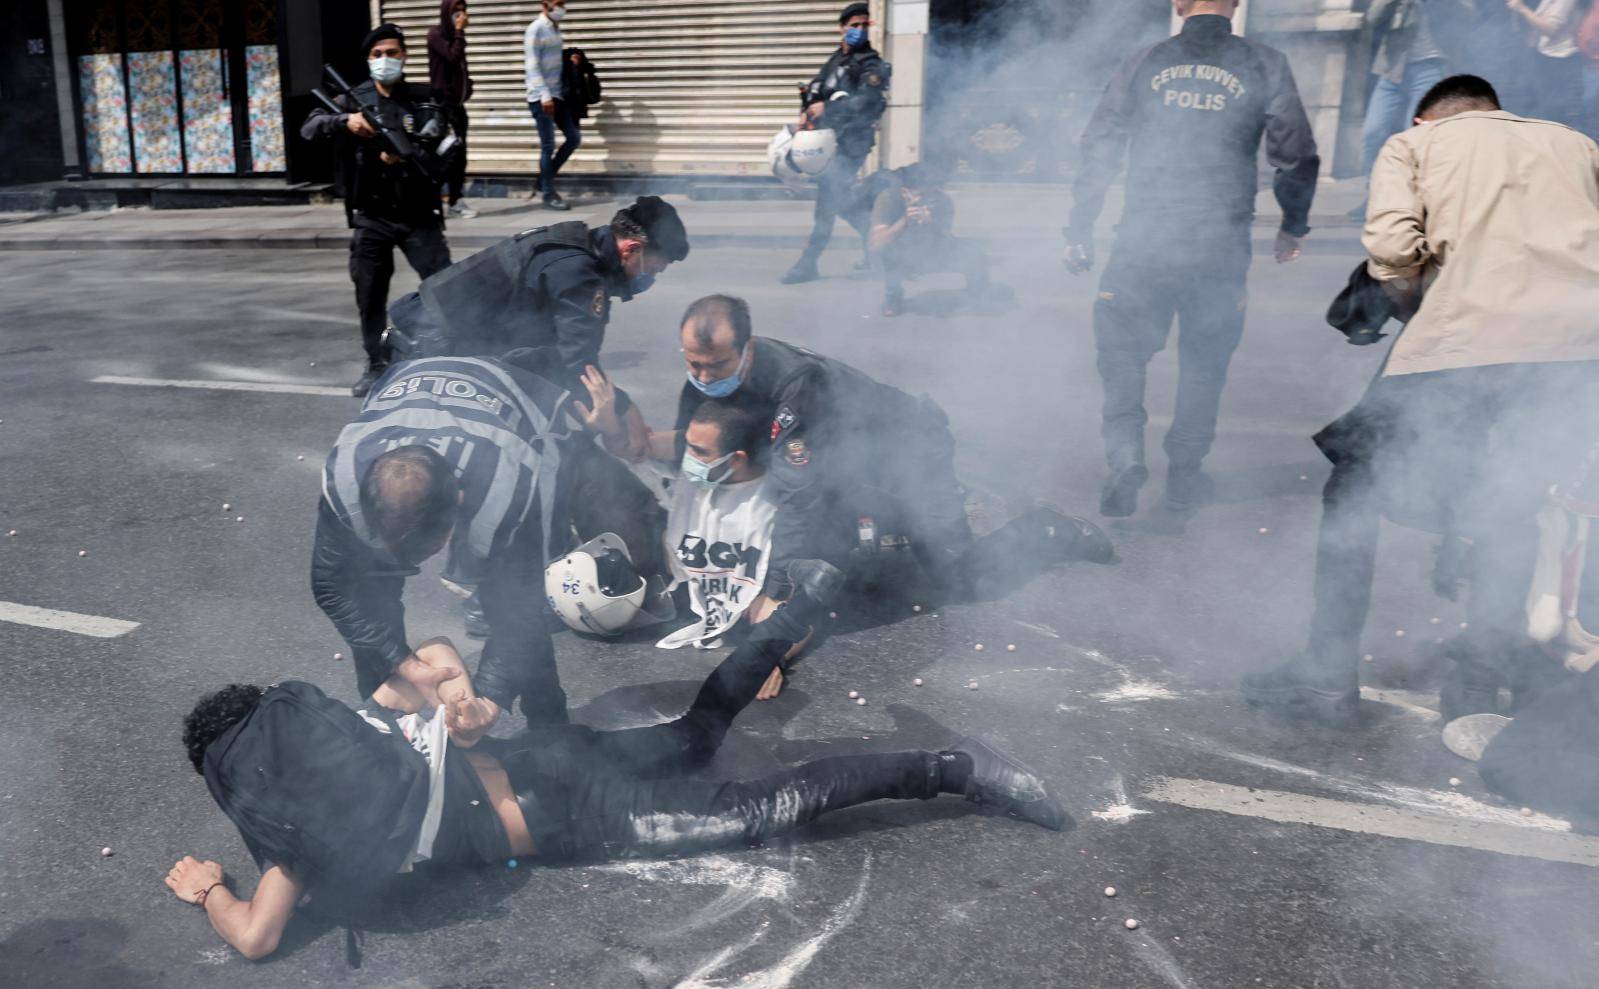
835, 196
455, 179
590, 794
372, 245
1148, 281
1469, 452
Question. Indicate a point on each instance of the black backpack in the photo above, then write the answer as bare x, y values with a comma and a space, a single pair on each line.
317, 789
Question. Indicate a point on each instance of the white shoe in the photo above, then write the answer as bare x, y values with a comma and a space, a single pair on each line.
462, 210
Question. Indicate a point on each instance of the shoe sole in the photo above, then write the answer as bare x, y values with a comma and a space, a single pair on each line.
1330, 707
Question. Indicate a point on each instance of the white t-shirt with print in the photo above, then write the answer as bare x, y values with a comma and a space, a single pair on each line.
719, 542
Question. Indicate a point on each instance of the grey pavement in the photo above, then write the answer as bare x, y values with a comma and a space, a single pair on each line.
1253, 852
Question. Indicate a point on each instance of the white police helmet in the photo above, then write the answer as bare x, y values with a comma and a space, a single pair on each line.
596, 589
813, 150
777, 157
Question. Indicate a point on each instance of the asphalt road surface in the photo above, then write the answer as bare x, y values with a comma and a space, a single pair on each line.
1251, 851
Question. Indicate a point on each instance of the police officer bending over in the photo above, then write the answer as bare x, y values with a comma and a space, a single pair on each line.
835, 432
446, 446
550, 287
848, 95
1188, 115
388, 203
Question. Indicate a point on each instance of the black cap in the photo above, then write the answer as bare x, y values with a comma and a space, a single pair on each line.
662, 225
382, 32
855, 10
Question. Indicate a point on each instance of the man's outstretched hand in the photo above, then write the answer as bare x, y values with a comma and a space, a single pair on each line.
468, 718
191, 877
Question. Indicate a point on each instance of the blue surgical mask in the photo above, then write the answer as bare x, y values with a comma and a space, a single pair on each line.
386, 70
722, 387
855, 37
641, 283
699, 471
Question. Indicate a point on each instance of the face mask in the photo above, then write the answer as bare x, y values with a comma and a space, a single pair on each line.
699, 472
386, 70
641, 283
723, 387
556, 13
855, 37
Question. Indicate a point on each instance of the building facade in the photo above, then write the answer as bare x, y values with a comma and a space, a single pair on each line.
693, 88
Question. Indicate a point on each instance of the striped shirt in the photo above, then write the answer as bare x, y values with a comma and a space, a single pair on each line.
491, 421
541, 60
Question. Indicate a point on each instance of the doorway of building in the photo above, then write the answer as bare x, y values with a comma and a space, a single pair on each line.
30, 133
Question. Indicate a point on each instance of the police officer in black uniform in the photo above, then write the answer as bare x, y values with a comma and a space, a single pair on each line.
389, 203
837, 436
848, 96
1188, 115
548, 289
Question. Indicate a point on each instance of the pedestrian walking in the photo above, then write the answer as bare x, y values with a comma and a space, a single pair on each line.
452, 85
1555, 88
542, 65
1407, 62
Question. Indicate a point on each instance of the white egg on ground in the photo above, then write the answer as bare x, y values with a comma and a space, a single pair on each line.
861, 701
1110, 891
916, 682
1131, 924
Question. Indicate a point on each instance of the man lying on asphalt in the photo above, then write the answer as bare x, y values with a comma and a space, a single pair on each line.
409, 779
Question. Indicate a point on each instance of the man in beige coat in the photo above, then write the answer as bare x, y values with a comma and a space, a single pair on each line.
1487, 397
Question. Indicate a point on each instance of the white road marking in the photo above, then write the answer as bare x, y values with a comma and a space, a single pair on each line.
1402, 700
64, 621
270, 387
1388, 822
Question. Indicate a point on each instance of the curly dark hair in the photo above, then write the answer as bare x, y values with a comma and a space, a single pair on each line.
214, 714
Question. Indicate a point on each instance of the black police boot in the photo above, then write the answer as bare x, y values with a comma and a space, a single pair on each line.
988, 777
368, 378
1187, 488
804, 270
1119, 496
477, 624
553, 200
1309, 686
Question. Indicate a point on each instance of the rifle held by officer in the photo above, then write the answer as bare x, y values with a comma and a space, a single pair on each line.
388, 120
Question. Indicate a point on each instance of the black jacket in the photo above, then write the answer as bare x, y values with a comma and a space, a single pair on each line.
580, 83
549, 289
399, 192
829, 423
863, 76
1188, 115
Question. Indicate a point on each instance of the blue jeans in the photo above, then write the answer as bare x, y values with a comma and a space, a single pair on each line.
1393, 104
551, 158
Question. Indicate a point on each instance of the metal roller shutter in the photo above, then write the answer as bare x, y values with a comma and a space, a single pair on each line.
692, 87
